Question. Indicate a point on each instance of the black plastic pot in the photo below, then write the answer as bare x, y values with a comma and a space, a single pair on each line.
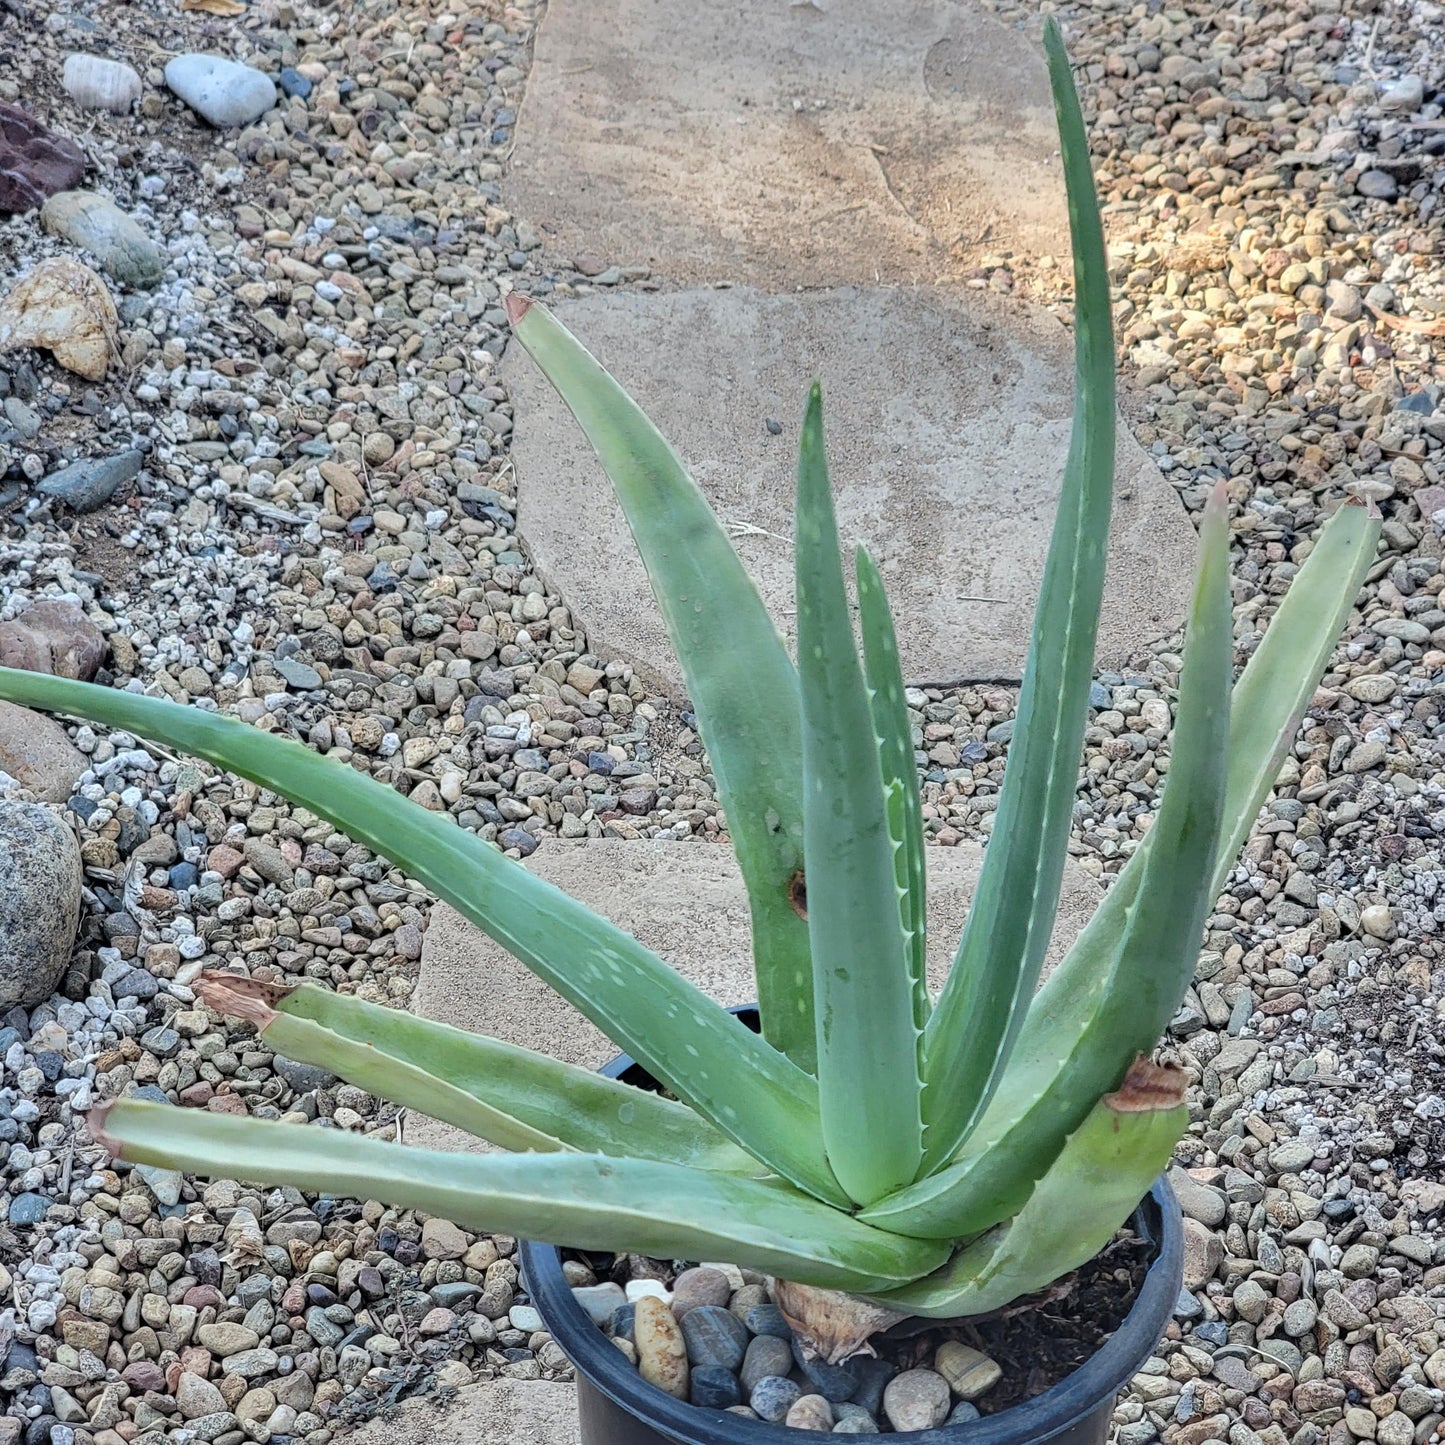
617, 1407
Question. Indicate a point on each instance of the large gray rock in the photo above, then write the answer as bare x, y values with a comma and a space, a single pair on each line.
39, 901
948, 423
53, 636
685, 901
90, 483
783, 145
96, 224
37, 753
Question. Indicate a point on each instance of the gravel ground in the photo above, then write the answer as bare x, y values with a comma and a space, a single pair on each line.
318, 536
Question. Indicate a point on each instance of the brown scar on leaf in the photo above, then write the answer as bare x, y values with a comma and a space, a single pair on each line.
517, 306
1148, 1088
798, 894
1371, 510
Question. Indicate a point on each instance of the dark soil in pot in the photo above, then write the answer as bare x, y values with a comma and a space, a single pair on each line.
1046, 1369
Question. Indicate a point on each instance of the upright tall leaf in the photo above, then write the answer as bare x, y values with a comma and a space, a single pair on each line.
900, 774
1122, 981
1002, 950
868, 1082
738, 673
690, 1044
1280, 678
1074, 1048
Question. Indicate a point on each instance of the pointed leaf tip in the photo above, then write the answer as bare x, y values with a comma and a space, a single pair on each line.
517, 306
1054, 46
735, 666
867, 1038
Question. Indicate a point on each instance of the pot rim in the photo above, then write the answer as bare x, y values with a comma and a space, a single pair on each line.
1036, 1421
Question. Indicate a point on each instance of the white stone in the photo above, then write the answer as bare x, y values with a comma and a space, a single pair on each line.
1377, 920
600, 1300
1407, 93
95, 83
1425, 1195
224, 92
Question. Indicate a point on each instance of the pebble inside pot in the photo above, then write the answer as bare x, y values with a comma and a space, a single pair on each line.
876, 1157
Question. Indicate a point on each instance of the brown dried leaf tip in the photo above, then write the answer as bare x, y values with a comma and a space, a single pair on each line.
1371, 510
95, 1121
1148, 1088
240, 997
516, 305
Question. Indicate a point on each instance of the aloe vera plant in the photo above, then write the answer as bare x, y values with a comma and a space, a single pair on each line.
916, 1152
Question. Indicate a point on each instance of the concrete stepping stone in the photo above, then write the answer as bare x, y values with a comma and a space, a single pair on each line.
786, 144
491, 1412
948, 425
684, 900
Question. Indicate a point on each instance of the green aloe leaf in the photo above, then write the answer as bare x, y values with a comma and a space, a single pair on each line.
690, 1044
583, 1200
868, 1082
894, 737
1280, 678
511, 1096
738, 673
1081, 1045
1115, 990
1102, 1172
983, 1004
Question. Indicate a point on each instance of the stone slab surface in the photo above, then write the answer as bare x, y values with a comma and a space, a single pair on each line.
686, 901
785, 144
948, 422
491, 1412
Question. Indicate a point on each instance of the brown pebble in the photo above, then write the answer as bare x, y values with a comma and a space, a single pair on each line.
916, 1400
699, 1286
809, 1412
661, 1352
969, 1372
